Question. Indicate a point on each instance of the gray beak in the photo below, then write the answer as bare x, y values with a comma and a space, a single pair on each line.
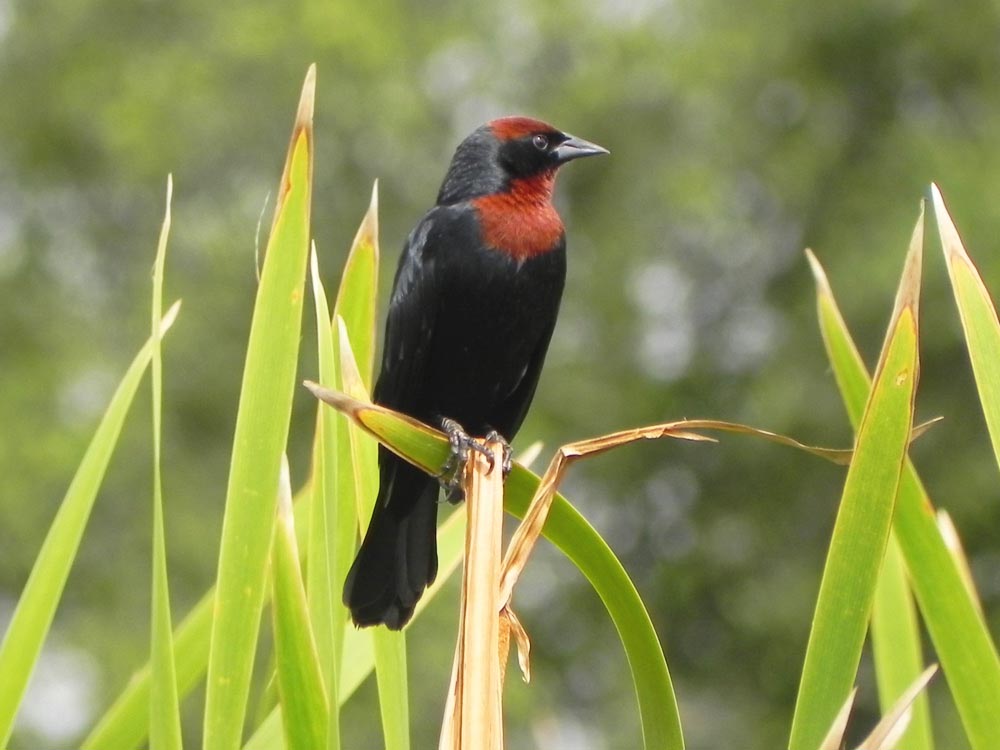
575, 148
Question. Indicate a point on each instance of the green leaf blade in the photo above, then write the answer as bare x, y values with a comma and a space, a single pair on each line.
895, 631
261, 433
963, 644
393, 693
357, 297
979, 319
326, 612
967, 653
304, 704
896, 646
165, 713
36, 607
862, 527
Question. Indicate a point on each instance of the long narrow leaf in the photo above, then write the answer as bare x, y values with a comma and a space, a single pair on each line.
979, 319
963, 644
300, 681
327, 626
393, 694
35, 609
896, 646
863, 522
165, 714
259, 442
332, 529
356, 298
355, 307
895, 632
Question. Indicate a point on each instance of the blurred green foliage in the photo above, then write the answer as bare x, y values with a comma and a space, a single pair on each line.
740, 133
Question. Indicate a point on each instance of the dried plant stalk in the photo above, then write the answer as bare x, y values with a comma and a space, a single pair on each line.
473, 717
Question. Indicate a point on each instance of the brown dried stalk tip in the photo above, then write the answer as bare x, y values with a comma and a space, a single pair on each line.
307, 100
303, 127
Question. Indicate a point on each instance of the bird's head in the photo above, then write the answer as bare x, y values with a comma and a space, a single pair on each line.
507, 150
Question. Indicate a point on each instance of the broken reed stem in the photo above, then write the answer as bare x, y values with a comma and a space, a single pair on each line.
473, 716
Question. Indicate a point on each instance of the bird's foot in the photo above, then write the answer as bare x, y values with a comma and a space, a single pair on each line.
462, 442
452, 475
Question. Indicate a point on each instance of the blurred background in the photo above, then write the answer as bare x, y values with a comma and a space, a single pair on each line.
740, 133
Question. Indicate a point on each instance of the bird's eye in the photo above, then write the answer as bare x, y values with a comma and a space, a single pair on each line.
540, 142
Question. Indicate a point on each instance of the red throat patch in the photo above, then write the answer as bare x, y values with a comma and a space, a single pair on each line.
511, 128
521, 222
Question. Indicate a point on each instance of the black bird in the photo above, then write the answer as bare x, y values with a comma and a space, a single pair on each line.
473, 306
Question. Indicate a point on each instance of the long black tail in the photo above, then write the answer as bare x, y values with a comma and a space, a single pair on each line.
398, 557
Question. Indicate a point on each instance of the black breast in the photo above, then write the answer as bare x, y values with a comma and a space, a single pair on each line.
493, 325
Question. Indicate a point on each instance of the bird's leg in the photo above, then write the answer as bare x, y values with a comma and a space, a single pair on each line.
508, 454
452, 475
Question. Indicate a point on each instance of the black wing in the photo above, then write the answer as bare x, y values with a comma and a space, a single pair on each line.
412, 314
511, 413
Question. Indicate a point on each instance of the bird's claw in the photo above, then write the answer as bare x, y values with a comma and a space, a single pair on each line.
452, 475
508, 454
462, 442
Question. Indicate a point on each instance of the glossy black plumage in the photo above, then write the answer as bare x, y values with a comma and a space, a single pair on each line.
473, 306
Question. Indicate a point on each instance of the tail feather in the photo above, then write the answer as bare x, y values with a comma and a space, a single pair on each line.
398, 557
